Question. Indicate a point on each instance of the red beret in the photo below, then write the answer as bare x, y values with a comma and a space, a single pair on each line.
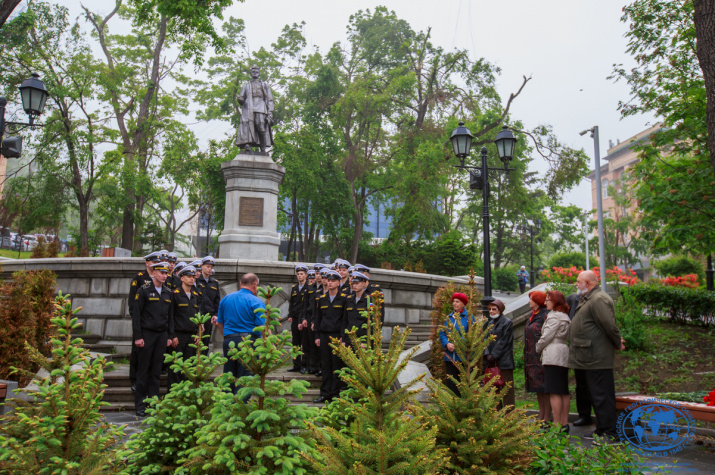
460, 296
538, 297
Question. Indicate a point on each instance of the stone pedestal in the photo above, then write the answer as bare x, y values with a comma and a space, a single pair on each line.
250, 222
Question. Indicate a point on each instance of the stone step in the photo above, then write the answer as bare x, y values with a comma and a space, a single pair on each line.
99, 347
88, 338
125, 394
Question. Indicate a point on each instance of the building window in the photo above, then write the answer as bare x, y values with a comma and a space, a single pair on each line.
604, 187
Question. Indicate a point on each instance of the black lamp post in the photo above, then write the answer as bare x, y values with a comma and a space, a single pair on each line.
531, 229
34, 97
479, 180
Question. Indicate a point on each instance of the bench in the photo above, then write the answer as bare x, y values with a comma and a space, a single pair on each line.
699, 411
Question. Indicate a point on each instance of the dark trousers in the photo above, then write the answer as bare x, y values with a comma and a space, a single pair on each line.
451, 370
133, 362
298, 361
329, 363
583, 399
509, 397
522, 287
602, 390
311, 353
235, 367
151, 357
185, 340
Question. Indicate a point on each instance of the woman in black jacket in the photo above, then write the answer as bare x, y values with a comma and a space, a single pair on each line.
501, 350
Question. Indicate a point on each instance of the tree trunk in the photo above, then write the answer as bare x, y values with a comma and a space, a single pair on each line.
83, 222
704, 18
6, 8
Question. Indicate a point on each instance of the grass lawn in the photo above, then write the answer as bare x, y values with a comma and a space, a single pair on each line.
678, 359
13, 254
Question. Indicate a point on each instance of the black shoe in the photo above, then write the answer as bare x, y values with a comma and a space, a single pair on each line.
566, 429
303, 370
294, 369
141, 414
134, 388
606, 439
320, 399
592, 436
583, 421
319, 374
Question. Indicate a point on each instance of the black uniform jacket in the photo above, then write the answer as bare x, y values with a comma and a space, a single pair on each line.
137, 283
210, 295
185, 309
173, 282
297, 303
353, 318
372, 287
311, 304
330, 316
345, 288
152, 311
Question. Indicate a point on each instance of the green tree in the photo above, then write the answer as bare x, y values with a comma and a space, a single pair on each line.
263, 434
379, 437
62, 430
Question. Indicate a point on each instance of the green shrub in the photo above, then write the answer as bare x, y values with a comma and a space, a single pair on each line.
25, 316
470, 427
265, 434
61, 429
504, 278
556, 454
453, 255
571, 259
680, 265
631, 321
680, 304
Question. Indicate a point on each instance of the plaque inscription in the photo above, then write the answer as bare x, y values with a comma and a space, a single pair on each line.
250, 211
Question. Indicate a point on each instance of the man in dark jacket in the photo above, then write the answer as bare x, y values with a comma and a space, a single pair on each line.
501, 350
137, 283
583, 400
185, 307
594, 338
152, 323
296, 311
329, 322
356, 304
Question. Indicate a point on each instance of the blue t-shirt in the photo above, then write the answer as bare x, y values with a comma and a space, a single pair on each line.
235, 312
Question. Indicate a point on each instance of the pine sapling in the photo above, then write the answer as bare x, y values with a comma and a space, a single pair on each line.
381, 436
60, 430
479, 438
264, 434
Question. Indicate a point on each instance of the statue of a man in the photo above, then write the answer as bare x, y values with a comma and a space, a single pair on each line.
255, 129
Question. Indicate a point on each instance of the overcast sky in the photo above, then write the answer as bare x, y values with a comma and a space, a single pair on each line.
568, 47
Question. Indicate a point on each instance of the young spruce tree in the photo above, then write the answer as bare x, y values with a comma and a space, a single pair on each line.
380, 436
479, 438
170, 431
61, 429
263, 435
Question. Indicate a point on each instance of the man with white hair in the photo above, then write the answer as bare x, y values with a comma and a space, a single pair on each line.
594, 338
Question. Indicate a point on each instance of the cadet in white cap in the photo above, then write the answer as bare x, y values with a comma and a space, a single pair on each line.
185, 307
152, 323
209, 289
357, 302
296, 315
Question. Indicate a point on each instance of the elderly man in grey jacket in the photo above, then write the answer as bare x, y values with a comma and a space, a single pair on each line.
594, 338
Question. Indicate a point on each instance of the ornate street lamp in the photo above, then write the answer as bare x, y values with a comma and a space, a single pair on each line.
479, 179
34, 97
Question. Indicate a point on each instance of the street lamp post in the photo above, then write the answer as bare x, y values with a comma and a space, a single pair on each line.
461, 139
599, 202
531, 229
34, 96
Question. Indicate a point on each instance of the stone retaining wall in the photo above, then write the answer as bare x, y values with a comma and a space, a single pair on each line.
101, 287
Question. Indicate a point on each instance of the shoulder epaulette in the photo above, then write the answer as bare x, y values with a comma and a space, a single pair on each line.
176, 291
141, 273
146, 284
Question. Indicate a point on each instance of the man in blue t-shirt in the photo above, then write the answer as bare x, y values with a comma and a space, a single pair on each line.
236, 320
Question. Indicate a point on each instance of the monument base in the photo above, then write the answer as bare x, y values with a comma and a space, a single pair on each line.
251, 218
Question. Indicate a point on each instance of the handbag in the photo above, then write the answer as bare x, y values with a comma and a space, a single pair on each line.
494, 373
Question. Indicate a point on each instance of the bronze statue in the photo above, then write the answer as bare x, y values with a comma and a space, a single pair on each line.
256, 99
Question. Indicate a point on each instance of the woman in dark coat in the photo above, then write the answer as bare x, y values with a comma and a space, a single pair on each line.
533, 369
501, 350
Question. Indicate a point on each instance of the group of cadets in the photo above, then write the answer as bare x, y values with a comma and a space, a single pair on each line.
325, 303
163, 298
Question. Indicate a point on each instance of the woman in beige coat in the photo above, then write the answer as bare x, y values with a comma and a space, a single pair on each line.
555, 356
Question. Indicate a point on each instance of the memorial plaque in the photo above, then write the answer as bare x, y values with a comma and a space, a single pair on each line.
250, 211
